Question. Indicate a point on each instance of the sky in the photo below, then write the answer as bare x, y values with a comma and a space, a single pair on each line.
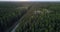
29, 0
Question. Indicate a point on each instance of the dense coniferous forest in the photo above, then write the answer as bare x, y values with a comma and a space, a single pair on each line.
10, 13
31, 16
44, 17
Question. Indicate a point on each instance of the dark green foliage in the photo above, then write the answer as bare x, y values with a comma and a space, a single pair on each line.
8, 16
46, 22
